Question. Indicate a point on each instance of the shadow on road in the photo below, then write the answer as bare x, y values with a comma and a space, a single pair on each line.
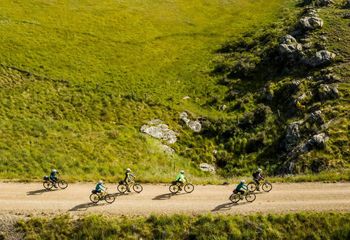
227, 206
167, 196
85, 206
39, 192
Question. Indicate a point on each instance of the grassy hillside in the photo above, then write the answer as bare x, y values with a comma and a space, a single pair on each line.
287, 226
79, 78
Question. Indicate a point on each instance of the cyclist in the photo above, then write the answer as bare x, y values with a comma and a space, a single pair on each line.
129, 178
181, 179
257, 176
241, 187
100, 187
53, 177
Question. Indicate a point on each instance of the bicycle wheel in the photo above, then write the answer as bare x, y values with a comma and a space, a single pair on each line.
189, 188
47, 185
109, 198
252, 186
250, 197
121, 188
62, 184
235, 198
137, 187
267, 187
174, 188
94, 198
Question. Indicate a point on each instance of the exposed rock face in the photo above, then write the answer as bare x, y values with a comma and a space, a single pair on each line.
157, 129
328, 91
292, 136
321, 58
168, 150
318, 141
311, 23
195, 126
289, 45
205, 167
316, 117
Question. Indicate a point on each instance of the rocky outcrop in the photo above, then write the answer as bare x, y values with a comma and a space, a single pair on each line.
321, 58
157, 129
292, 136
289, 46
328, 91
205, 167
317, 141
323, 3
195, 126
317, 117
311, 23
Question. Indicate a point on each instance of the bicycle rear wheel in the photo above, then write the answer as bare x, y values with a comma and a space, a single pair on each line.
62, 184
109, 198
250, 197
234, 198
267, 187
47, 185
174, 188
122, 188
94, 198
189, 188
137, 188
252, 186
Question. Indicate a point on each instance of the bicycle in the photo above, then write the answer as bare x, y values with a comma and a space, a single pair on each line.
264, 185
123, 187
95, 197
236, 197
49, 184
176, 187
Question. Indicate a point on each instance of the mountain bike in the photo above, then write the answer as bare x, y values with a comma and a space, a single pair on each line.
49, 184
247, 195
123, 187
176, 187
264, 185
95, 197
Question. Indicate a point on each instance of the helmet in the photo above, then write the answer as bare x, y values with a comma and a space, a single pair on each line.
259, 170
128, 170
243, 181
100, 181
182, 171
54, 170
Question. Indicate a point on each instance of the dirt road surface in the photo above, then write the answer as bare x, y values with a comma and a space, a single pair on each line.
31, 199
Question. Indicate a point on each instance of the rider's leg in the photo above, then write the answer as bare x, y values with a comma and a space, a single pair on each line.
257, 184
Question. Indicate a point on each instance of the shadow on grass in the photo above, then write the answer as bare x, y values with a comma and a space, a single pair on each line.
86, 206
39, 192
167, 196
227, 206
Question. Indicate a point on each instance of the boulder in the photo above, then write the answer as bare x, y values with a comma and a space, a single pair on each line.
205, 167
322, 57
317, 117
195, 126
289, 45
157, 129
311, 23
168, 150
318, 141
328, 91
292, 136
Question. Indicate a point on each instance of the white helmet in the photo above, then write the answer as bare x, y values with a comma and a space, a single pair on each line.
128, 170
182, 171
100, 182
259, 170
54, 170
243, 181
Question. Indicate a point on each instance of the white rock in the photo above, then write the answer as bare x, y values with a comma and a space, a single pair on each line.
157, 129
205, 167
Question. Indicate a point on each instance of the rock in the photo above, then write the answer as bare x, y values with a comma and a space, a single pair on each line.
317, 117
195, 126
328, 91
289, 45
323, 3
292, 136
318, 141
321, 58
205, 167
310, 12
222, 107
168, 150
331, 78
157, 129
186, 97
311, 23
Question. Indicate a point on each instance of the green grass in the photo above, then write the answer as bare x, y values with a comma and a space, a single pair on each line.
93, 72
284, 226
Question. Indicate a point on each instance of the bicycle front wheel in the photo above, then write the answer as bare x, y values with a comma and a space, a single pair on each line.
109, 198
267, 187
137, 188
62, 184
250, 197
189, 188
